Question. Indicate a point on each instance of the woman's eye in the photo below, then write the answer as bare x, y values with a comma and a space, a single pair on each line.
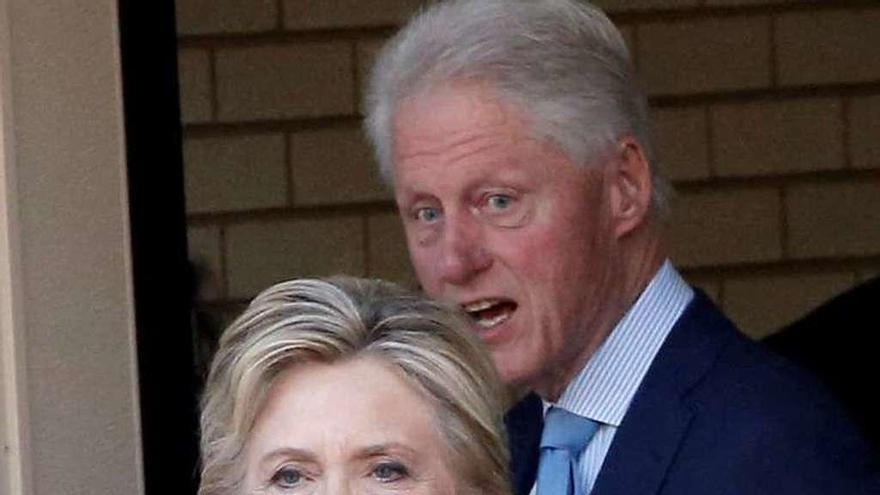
287, 477
427, 214
387, 472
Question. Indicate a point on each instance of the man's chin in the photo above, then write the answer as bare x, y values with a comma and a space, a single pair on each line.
515, 380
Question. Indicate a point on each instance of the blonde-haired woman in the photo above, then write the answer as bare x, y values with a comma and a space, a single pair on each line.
348, 385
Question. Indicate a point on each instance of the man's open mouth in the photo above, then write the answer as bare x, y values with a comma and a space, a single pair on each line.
488, 313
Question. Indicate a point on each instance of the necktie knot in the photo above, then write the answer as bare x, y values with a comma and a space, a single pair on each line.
565, 436
565, 430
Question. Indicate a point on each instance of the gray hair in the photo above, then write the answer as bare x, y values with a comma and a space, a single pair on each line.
342, 318
561, 60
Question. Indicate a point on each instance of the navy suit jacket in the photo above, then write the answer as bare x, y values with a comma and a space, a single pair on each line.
718, 414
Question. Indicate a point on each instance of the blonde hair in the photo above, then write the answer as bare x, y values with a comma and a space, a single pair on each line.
330, 320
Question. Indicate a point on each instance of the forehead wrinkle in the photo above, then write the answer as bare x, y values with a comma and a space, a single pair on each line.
442, 134
470, 152
443, 116
458, 150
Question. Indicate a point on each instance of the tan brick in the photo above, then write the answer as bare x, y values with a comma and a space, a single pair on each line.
868, 273
260, 254
366, 52
748, 2
209, 322
864, 131
680, 135
705, 55
194, 73
223, 314
628, 5
225, 16
828, 47
312, 14
838, 219
278, 82
761, 305
333, 166
389, 257
721, 227
235, 173
761, 138
204, 255
711, 285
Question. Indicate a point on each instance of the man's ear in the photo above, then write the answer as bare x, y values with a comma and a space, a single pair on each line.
630, 186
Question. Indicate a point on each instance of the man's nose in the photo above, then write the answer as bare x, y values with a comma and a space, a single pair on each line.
464, 254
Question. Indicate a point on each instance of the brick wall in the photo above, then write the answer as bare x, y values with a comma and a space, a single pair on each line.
767, 116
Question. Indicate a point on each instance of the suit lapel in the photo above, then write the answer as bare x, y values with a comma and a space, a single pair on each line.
660, 414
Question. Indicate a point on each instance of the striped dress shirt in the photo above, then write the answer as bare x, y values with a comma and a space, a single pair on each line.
605, 387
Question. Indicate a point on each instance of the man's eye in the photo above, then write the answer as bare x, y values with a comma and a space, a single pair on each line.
287, 477
499, 201
427, 214
504, 208
388, 472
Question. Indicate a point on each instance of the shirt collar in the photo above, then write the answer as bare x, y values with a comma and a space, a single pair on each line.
604, 388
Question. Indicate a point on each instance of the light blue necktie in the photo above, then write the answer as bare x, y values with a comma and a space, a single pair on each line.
565, 436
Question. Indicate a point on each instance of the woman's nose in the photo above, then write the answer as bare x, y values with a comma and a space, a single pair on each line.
337, 485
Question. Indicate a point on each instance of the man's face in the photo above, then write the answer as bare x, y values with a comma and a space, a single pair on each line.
506, 226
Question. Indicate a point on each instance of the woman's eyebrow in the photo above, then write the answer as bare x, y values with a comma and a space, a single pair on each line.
385, 448
288, 453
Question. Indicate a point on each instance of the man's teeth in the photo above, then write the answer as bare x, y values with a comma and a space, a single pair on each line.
491, 322
480, 305
488, 312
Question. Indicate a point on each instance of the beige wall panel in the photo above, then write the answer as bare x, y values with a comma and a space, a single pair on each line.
64, 121
15, 457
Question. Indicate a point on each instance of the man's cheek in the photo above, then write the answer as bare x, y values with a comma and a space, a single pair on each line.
427, 269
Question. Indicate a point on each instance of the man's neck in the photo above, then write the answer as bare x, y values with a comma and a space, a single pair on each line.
642, 268
640, 259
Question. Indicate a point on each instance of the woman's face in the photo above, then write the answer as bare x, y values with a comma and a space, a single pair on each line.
349, 428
